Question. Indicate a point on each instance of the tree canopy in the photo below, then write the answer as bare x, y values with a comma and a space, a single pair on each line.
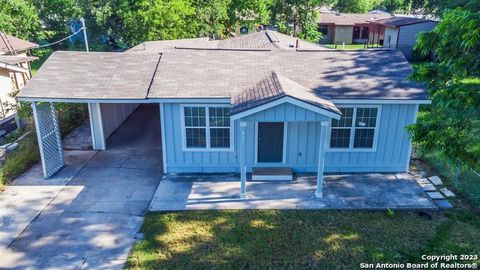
452, 123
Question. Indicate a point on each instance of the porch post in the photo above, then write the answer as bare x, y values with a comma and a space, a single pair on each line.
96, 126
321, 159
243, 168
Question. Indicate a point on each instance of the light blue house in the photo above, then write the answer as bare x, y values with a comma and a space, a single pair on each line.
232, 110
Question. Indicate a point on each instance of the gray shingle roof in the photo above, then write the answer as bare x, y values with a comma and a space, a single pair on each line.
362, 74
273, 87
17, 44
160, 46
93, 75
395, 21
263, 40
349, 18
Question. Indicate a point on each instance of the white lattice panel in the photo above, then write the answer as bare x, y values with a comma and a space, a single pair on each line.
49, 138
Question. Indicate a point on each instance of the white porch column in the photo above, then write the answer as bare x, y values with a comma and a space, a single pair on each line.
321, 159
243, 167
96, 126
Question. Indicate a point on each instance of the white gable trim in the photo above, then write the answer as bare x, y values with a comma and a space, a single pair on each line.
282, 100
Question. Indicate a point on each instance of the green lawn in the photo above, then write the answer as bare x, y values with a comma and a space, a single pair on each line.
347, 46
265, 239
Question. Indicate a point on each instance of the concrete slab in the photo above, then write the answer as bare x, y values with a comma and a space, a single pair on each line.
355, 191
423, 181
447, 192
443, 204
428, 187
436, 180
29, 194
80, 138
435, 195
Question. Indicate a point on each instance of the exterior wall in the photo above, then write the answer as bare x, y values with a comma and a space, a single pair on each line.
343, 34
390, 33
328, 38
114, 114
6, 87
408, 36
302, 143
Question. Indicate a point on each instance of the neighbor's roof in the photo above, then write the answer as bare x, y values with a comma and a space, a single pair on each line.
17, 44
13, 60
361, 74
275, 86
395, 21
268, 40
160, 46
347, 19
93, 75
262, 40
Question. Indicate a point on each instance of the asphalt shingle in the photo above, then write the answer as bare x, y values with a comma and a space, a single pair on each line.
274, 86
363, 74
93, 75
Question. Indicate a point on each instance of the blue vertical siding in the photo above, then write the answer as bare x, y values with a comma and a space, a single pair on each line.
303, 133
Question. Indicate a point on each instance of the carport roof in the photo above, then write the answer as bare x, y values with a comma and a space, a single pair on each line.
93, 75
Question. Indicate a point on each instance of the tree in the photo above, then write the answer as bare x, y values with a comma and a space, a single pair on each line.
353, 6
157, 20
452, 123
302, 14
211, 18
20, 18
56, 15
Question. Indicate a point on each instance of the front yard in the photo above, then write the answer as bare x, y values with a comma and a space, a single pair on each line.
300, 239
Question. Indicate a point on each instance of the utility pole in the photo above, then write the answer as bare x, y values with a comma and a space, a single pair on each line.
84, 34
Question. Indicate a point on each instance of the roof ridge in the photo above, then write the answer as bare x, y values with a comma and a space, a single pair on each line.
277, 82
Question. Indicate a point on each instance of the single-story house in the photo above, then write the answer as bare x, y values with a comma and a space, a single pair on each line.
241, 110
14, 74
347, 27
398, 32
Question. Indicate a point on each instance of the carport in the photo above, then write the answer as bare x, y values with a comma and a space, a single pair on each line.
114, 85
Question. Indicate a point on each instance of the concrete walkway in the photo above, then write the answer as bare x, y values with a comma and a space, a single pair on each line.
354, 191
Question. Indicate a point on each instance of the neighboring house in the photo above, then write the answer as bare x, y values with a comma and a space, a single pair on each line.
225, 110
14, 73
399, 32
346, 27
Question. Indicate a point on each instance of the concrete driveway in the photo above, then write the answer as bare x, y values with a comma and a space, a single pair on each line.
91, 222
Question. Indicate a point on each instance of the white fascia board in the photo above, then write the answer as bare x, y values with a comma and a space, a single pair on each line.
282, 100
156, 100
381, 101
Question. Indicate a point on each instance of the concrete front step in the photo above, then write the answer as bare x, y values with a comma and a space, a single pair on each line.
272, 174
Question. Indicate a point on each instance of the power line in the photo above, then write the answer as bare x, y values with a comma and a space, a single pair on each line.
61, 40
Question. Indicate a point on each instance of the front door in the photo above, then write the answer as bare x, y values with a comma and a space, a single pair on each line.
270, 142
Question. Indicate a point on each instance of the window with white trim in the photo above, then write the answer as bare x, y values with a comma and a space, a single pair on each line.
206, 127
355, 129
